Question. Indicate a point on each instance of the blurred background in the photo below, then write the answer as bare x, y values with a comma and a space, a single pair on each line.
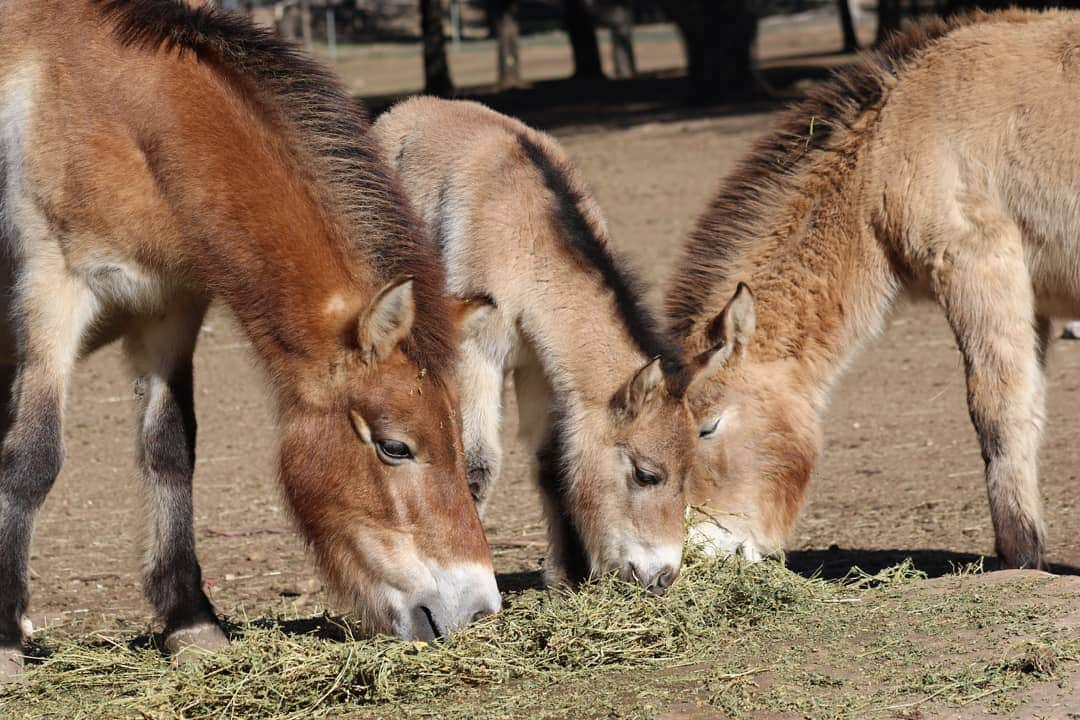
478, 47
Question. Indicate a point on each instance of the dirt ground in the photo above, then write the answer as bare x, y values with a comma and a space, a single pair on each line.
900, 474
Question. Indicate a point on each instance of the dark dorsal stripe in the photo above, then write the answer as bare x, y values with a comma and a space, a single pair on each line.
331, 128
741, 217
581, 239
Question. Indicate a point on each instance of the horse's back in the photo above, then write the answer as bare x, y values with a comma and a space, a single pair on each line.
465, 169
81, 207
981, 128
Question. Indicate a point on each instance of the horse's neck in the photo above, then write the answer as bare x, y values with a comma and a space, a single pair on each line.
581, 348
821, 293
566, 314
263, 240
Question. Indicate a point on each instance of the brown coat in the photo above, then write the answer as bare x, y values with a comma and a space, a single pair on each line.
157, 156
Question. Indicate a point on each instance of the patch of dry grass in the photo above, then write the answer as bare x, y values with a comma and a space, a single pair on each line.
742, 639
269, 673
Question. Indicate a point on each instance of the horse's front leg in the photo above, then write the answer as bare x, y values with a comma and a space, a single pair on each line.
984, 285
50, 313
480, 378
161, 353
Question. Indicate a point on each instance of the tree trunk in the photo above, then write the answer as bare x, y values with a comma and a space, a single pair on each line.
436, 67
718, 36
305, 22
889, 13
847, 25
620, 19
582, 32
503, 17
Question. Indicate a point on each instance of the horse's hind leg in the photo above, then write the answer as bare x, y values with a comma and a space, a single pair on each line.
161, 353
52, 314
984, 285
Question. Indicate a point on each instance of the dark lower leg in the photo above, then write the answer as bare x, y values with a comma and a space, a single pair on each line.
166, 454
30, 460
566, 561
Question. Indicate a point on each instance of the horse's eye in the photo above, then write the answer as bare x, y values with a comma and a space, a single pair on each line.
393, 451
710, 430
644, 477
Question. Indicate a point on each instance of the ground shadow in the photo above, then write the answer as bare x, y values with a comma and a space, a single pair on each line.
836, 562
515, 582
831, 563
324, 627
37, 651
586, 103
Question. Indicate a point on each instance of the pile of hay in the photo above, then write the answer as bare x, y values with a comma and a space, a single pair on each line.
270, 673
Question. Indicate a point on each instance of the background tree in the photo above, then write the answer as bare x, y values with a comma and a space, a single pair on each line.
718, 37
502, 15
847, 25
618, 16
437, 79
889, 15
582, 31
305, 22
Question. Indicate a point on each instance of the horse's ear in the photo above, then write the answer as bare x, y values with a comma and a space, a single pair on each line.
631, 398
469, 313
386, 321
735, 324
729, 333
707, 364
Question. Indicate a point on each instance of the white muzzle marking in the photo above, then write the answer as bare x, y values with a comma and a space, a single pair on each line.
715, 540
452, 599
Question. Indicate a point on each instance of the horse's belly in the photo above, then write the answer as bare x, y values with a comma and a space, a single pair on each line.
1055, 276
122, 286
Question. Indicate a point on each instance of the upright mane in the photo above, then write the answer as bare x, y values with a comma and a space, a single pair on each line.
745, 211
581, 239
331, 128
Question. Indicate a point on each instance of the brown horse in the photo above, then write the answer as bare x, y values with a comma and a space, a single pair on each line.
601, 393
948, 164
156, 156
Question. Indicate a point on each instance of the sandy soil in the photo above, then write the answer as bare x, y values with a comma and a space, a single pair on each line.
900, 475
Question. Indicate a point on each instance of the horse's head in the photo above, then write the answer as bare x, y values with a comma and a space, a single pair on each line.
376, 478
759, 439
625, 472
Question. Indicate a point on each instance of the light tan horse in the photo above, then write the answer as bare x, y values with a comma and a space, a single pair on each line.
946, 164
600, 393
154, 157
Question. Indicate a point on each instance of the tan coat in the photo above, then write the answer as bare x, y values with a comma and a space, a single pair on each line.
607, 418
947, 164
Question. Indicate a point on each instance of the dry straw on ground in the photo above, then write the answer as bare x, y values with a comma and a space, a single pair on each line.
269, 672
744, 639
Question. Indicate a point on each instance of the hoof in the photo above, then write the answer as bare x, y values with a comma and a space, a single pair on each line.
11, 665
190, 645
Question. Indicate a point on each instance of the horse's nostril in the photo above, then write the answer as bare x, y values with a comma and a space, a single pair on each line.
481, 614
424, 626
431, 621
663, 580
